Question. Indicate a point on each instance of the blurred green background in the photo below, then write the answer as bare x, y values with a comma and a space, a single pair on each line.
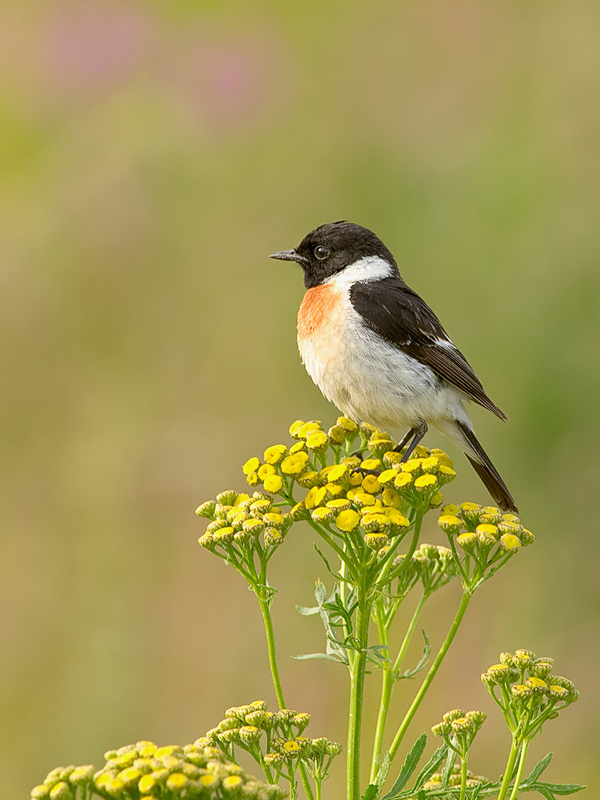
153, 154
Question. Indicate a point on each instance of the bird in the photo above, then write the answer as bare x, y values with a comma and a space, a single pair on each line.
379, 353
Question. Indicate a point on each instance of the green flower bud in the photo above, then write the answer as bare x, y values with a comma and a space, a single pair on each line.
206, 509
41, 792
249, 734
300, 721
521, 692
470, 512
227, 498
337, 435
308, 479
527, 537
442, 729
81, 776
476, 717
376, 522
462, 726
254, 526
333, 748
375, 541
450, 716
541, 667
274, 760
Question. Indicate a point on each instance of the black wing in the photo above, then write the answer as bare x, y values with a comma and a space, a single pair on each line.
391, 309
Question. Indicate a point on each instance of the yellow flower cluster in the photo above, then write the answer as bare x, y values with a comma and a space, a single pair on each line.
245, 726
462, 726
241, 519
484, 531
527, 688
146, 771
372, 495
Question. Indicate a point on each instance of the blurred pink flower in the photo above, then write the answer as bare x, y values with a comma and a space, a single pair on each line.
225, 79
93, 43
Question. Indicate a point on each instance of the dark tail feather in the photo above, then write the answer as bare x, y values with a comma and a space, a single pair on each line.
488, 473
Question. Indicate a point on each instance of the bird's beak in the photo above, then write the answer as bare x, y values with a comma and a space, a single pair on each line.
289, 255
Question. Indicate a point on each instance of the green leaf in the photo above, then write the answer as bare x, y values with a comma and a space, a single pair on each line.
410, 673
371, 792
383, 771
538, 769
552, 789
451, 758
409, 766
323, 656
440, 755
308, 611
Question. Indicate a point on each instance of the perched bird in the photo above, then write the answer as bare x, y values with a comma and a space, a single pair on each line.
376, 349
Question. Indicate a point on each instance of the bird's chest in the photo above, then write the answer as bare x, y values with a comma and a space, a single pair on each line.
321, 322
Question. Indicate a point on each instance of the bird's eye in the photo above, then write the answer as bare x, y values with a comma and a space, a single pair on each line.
321, 252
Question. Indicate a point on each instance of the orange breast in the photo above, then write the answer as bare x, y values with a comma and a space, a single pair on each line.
317, 310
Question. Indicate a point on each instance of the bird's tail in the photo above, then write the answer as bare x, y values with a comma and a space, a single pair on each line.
480, 461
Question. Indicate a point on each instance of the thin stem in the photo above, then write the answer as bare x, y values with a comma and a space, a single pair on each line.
387, 684
508, 770
519, 774
464, 603
266, 614
357, 687
463, 778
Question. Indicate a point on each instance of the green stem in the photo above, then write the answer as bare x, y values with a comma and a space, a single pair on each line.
508, 770
387, 685
464, 603
266, 614
357, 687
519, 774
463, 778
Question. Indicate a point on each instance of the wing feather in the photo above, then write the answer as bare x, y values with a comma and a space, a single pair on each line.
397, 313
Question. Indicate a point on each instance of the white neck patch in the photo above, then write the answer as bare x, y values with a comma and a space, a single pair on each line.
370, 268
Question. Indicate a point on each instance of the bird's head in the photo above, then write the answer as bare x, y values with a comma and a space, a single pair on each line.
341, 249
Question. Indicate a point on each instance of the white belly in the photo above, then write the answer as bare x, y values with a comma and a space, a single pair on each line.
371, 380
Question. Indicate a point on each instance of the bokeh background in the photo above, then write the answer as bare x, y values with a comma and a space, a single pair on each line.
153, 154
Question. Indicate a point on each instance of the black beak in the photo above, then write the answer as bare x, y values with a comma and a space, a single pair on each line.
289, 255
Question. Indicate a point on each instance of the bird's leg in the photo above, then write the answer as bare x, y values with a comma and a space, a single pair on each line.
416, 434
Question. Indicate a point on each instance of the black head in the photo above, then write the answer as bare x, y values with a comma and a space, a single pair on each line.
331, 248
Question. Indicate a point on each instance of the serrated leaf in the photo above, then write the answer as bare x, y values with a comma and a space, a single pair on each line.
450, 759
308, 611
561, 789
323, 656
371, 792
440, 755
409, 766
383, 771
410, 673
538, 769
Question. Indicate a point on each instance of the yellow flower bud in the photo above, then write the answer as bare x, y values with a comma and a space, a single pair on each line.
426, 482
376, 522
272, 537
317, 441
338, 472
309, 500
323, 514
176, 781
294, 464
273, 484
251, 465
62, 790
339, 505
391, 497
355, 478
450, 523
392, 458
308, 427
445, 474
510, 543
275, 453
397, 519
371, 485
337, 435
231, 783
265, 470
347, 521
443, 457
470, 511
370, 463
403, 480
363, 499
308, 479
412, 466
299, 447
467, 540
